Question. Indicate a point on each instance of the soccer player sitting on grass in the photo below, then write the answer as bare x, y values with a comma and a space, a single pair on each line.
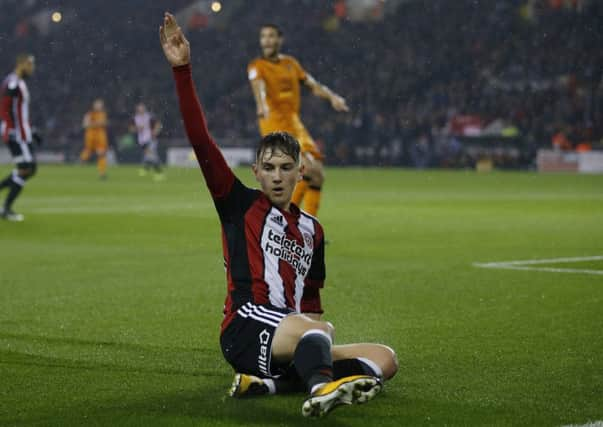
272, 334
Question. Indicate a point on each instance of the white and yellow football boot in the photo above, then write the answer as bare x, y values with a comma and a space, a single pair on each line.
245, 385
345, 391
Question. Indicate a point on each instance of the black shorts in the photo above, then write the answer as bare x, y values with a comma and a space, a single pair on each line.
247, 341
23, 153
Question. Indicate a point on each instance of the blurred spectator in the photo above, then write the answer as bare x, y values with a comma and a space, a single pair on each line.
533, 64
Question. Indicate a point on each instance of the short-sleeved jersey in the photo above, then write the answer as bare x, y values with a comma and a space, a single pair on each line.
96, 117
144, 123
14, 110
272, 257
282, 78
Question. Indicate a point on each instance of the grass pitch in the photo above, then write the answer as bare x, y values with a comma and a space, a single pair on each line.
111, 296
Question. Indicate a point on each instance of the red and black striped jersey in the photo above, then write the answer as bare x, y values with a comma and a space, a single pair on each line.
272, 256
14, 109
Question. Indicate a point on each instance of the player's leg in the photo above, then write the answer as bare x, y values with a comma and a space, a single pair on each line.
308, 344
295, 127
246, 344
144, 166
302, 186
15, 151
298, 347
26, 168
315, 176
247, 385
375, 360
313, 169
101, 147
364, 359
15, 185
88, 148
154, 160
6, 182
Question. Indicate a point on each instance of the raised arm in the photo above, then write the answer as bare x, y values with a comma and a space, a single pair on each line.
218, 176
86, 121
258, 86
337, 102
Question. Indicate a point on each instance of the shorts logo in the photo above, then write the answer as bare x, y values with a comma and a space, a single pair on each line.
264, 338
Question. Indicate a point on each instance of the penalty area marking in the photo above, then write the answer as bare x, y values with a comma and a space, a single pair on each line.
528, 265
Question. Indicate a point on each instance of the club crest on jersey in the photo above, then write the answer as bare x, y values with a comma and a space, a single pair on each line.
309, 241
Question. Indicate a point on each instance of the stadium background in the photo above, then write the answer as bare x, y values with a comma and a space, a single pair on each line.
431, 83
111, 291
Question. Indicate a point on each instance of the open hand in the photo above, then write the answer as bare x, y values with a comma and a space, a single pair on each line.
176, 47
338, 103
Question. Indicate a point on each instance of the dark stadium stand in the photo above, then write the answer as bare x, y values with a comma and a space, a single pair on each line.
525, 66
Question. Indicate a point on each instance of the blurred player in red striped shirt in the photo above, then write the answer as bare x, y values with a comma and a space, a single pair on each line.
16, 132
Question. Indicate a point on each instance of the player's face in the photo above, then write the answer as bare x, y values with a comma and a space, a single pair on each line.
141, 109
98, 105
277, 173
270, 41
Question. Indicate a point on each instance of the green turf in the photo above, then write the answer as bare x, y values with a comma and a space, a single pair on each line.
111, 296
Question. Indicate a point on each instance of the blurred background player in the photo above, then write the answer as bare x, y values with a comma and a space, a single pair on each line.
95, 136
16, 132
275, 81
147, 129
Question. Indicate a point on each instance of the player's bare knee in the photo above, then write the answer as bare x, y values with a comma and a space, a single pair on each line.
390, 362
316, 174
309, 171
291, 330
326, 327
307, 165
318, 178
313, 177
330, 330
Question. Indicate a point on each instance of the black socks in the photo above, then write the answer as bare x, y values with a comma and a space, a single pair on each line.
15, 184
358, 366
312, 358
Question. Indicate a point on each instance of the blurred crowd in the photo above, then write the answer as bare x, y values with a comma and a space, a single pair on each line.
422, 81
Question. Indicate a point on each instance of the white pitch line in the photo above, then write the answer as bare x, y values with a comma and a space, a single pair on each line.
541, 261
521, 265
590, 424
549, 270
